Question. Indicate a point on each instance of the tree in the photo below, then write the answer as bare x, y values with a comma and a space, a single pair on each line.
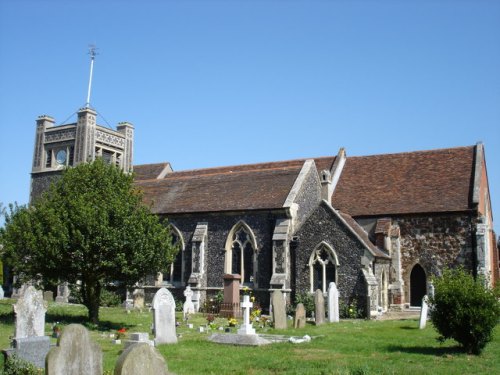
464, 309
90, 226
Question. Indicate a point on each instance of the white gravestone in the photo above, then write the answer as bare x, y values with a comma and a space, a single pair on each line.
188, 307
1, 292
196, 300
333, 303
423, 313
62, 293
164, 317
246, 327
30, 312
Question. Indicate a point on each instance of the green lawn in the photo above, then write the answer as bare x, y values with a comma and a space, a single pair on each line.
349, 347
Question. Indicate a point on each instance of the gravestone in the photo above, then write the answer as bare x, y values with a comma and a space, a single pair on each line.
62, 293
75, 354
246, 328
299, 320
138, 297
141, 359
138, 338
319, 303
30, 312
2, 294
423, 313
279, 312
48, 296
164, 317
196, 300
188, 307
230, 307
333, 303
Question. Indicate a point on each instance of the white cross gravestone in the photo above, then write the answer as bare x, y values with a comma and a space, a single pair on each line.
188, 307
423, 313
333, 303
164, 317
30, 312
246, 328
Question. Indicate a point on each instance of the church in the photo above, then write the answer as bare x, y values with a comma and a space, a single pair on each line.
379, 226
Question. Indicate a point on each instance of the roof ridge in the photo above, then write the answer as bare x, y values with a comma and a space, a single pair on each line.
413, 152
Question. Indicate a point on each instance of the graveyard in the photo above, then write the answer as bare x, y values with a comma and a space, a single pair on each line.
350, 346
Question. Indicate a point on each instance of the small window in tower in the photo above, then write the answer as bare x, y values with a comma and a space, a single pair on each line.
71, 155
107, 156
48, 162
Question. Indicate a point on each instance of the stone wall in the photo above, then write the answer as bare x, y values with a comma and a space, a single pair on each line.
41, 183
324, 225
308, 196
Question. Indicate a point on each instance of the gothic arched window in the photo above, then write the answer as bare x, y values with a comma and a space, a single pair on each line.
323, 265
240, 253
176, 269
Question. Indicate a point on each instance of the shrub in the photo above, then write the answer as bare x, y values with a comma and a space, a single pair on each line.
464, 309
18, 366
307, 300
109, 298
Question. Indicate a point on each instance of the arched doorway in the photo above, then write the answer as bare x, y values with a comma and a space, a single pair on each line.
418, 285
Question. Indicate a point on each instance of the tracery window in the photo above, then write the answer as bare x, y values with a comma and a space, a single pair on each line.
240, 253
176, 268
323, 265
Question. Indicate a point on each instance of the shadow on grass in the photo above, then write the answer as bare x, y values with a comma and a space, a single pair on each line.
103, 325
427, 350
409, 327
7, 317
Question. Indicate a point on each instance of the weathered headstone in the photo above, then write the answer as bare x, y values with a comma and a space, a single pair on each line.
48, 296
138, 297
188, 307
75, 354
299, 320
141, 359
319, 303
246, 328
423, 313
279, 312
62, 293
138, 338
164, 317
333, 303
30, 312
31, 349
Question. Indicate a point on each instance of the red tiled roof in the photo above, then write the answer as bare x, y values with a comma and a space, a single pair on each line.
149, 171
411, 182
233, 188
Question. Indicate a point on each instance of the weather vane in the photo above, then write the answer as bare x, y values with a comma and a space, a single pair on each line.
92, 53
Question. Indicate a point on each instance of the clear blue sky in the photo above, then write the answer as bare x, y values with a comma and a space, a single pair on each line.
210, 83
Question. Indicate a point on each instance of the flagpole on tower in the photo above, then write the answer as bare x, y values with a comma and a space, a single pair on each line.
92, 53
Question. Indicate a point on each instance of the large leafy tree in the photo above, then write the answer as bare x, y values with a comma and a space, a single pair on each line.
90, 226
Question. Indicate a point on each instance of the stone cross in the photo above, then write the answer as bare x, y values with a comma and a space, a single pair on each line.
188, 307
30, 312
333, 303
164, 317
319, 302
423, 313
246, 327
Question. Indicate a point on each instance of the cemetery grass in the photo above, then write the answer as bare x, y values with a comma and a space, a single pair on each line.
348, 347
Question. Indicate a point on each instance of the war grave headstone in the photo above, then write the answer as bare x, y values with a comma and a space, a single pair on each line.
30, 342
138, 297
75, 354
62, 293
319, 304
423, 313
333, 303
279, 311
299, 320
164, 317
141, 359
188, 307
48, 296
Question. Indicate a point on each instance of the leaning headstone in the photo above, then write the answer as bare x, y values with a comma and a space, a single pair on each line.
138, 297
333, 303
138, 338
319, 302
75, 354
141, 359
30, 312
164, 317
188, 307
48, 296
279, 312
62, 293
299, 321
423, 313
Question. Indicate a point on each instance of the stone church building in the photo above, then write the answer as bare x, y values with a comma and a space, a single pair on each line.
378, 226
